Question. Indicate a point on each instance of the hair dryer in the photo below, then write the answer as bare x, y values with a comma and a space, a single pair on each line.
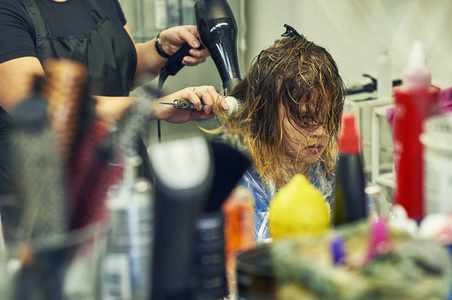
183, 171
218, 31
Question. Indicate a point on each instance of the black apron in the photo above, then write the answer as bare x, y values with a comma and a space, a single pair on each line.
109, 55
107, 51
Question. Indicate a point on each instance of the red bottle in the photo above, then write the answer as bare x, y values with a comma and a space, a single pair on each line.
415, 100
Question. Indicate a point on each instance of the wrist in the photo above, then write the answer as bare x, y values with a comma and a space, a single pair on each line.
159, 47
155, 111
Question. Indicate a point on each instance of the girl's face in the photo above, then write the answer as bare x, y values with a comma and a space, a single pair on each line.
305, 144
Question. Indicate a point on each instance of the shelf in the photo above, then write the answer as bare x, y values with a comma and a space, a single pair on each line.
377, 177
386, 179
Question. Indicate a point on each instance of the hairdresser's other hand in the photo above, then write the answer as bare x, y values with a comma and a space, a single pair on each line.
175, 37
197, 95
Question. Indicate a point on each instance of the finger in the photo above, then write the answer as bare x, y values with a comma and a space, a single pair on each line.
218, 102
189, 37
213, 98
199, 53
193, 30
192, 61
221, 103
204, 95
208, 101
196, 57
192, 96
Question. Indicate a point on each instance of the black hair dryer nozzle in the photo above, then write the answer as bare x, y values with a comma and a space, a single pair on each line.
218, 31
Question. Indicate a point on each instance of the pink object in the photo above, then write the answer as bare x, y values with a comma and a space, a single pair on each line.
445, 97
379, 239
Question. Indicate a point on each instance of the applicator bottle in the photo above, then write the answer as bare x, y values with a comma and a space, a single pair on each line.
415, 100
350, 204
384, 75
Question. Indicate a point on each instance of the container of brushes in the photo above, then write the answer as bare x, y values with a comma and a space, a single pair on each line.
51, 260
61, 266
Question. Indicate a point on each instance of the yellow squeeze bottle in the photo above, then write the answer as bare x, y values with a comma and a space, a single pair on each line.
298, 209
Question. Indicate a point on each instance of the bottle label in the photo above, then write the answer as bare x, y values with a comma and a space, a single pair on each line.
117, 280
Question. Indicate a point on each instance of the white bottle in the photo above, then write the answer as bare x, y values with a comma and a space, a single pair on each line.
384, 76
160, 15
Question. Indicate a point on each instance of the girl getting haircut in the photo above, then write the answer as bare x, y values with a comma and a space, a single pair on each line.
293, 82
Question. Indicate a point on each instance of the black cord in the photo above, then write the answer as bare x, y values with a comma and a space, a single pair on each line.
171, 67
162, 77
159, 132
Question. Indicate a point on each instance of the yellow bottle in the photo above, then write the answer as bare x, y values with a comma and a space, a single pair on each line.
298, 209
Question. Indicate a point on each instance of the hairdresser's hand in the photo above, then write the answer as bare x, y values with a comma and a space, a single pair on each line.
175, 37
206, 95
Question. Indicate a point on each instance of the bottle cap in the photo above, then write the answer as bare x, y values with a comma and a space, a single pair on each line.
349, 139
417, 74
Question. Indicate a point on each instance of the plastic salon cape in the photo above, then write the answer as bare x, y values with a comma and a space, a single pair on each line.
263, 192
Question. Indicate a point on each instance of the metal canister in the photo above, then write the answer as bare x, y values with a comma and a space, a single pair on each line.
256, 278
129, 243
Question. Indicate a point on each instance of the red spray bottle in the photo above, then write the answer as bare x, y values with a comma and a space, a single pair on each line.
351, 204
415, 100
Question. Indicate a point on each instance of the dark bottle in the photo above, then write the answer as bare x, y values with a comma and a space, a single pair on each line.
350, 204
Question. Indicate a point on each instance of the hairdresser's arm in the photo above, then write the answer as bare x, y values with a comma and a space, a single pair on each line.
150, 62
16, 81
111, 111
16, 77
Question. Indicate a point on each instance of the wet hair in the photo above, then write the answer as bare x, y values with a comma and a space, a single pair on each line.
293, 78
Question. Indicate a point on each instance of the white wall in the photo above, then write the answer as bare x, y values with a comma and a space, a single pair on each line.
355, 31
